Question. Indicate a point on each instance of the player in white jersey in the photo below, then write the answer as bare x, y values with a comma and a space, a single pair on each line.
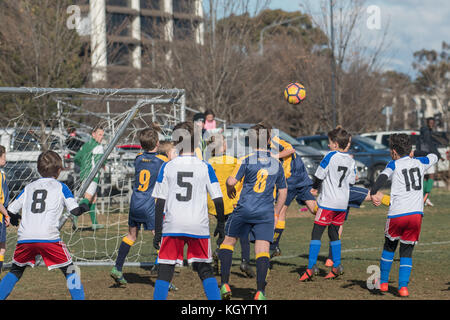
406, 210
39, 206
181, 193
334, 175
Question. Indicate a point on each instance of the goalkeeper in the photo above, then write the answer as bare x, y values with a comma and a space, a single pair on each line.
86, 158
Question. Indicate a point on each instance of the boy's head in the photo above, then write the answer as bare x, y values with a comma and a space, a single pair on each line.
165, 148
49, 164
183, 137
339, 139
148, 139
400, 145
217, 145
97, 133
259, 136
2, 156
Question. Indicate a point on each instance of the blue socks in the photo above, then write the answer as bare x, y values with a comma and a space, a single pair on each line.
387, 257
75, 286
245, 248
7, 285
161, 290
211, 289
336, 252
404, 271
314, 249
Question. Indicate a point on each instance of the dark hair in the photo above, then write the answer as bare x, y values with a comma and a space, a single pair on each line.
401, 143
199, 116
148, 138
71, 130
214, 142
186, 132
208, 112
2, 150
257, 132
164, 147
340, 136
98, 127
48, 164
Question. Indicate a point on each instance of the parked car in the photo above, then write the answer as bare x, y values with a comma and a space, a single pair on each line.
373, 155
237, 141
441, 139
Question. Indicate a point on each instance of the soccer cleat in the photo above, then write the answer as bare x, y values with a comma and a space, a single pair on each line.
172, 287
335, 272
225, 292
118, 277
403, 292
429, 203
384, 287
275, 252
245, 268
259, 296
309, 274
329, 263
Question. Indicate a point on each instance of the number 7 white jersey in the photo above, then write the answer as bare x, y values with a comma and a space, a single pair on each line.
338, 172
407, 184
184, 183
42, 203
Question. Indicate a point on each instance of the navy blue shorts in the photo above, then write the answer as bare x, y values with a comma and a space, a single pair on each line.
2, 232
301, 194
237, 227
148, 225
357, 196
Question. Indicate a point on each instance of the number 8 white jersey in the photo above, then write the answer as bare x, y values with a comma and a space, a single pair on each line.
42, 203
184, 183
407, 184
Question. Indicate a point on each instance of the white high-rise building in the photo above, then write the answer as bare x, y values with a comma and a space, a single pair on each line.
120, 32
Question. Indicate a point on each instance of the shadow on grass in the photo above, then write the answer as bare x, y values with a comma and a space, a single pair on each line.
138, 278
363, 285
242, 293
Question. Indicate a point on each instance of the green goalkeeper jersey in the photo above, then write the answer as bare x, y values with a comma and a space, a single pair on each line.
86, 158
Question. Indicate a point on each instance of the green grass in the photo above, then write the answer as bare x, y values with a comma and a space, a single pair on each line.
362, 243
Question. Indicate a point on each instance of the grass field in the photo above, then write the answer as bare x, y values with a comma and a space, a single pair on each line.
362, 243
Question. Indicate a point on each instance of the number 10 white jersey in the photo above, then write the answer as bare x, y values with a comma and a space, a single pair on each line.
184, 183
42, 203
407, 184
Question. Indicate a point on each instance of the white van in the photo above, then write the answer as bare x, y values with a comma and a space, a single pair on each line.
383, 138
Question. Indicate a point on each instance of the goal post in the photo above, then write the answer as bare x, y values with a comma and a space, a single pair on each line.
135, 108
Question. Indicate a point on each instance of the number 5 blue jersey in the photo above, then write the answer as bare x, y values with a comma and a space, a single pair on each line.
338, 172
142, 205
261, 173
406, 190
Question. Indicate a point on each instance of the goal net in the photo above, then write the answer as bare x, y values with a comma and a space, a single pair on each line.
70, 116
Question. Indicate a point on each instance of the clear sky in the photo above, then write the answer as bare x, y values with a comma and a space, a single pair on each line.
413, 25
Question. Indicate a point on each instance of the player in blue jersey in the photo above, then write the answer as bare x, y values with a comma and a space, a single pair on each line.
39, 208
298, 185
405, 213
4, 199
334, 175
261, 174
142, 205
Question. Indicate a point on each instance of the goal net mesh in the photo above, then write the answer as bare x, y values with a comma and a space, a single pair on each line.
25, 138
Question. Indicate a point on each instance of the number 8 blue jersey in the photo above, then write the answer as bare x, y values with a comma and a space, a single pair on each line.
261, 173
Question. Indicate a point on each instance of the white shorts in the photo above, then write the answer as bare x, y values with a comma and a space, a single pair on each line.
92, 189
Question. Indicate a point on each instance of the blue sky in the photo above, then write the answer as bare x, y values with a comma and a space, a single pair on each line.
413, 25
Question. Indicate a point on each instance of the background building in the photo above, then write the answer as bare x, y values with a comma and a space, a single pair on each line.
120, 32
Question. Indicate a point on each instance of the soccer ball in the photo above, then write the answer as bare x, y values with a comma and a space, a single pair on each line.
294, 93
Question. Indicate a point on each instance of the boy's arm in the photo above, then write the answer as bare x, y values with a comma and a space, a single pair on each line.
14, 209
5, 214
159, 217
